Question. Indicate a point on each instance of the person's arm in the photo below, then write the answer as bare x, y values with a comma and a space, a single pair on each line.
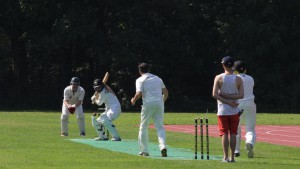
165, 94
80, 98
95, 97
66, 103
79, 102
137, 95
216, 95
240, 87
239, 95
108, 89
66, 96
102, 96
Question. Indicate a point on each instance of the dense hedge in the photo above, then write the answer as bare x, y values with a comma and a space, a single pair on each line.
45, 43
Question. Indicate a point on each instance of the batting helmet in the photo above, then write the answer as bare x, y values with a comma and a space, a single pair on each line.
98, 84
75, 80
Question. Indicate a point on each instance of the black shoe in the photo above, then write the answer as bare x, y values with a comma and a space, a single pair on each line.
237, 154
232, 161
82, 134
164, 153
241, 112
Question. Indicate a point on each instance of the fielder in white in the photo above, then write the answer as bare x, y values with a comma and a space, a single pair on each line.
104, 94
154, 93
73, 97
249, 107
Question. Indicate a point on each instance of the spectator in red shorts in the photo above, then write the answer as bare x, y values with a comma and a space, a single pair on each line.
227, 89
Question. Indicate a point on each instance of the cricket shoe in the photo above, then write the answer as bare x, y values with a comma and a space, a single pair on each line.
249, 149
143, 154
232, 161
116, 139
100, 139
164, 153
225, 161
241, 112
237, 154
64, 134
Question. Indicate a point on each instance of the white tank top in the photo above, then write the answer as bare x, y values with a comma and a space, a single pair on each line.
228, 87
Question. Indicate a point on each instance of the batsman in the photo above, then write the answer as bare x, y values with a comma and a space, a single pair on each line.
104, 94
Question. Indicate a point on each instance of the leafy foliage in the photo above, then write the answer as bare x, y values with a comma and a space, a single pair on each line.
44, 43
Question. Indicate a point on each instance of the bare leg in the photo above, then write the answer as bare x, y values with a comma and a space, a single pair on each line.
225, 144
232, 145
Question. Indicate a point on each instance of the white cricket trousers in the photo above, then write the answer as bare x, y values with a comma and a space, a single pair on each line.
152, 110
249, 118
65, 119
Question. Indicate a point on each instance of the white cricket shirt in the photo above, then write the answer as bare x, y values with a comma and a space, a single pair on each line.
73, 97
248, 87
151, 87
108, 98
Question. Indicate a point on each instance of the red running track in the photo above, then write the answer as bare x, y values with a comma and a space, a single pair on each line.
281, 135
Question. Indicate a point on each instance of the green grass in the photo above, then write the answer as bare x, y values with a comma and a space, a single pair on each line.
32, 140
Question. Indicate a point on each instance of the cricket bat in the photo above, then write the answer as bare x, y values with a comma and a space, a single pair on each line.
105, 78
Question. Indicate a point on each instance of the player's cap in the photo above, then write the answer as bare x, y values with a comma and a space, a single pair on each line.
239, 66
75, 81
227, 61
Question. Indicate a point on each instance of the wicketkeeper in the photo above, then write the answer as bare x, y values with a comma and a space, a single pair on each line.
72, 104
104, 94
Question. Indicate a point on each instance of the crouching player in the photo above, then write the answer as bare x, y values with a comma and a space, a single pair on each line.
72, 104
104, 94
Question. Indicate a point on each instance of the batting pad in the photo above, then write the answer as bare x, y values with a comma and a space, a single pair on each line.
132, 147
